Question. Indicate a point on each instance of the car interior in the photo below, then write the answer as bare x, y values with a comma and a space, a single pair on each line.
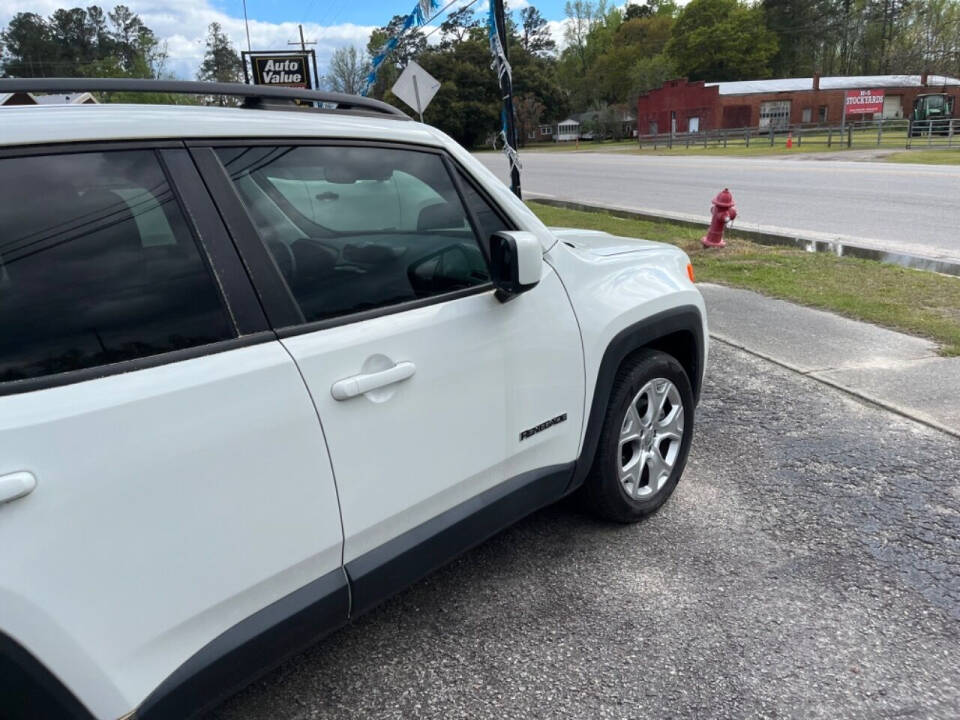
350, 231
137, 282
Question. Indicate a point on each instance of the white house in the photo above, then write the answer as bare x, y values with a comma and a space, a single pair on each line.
568, 129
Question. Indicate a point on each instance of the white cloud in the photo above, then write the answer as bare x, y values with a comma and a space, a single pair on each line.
183, 25
557, 32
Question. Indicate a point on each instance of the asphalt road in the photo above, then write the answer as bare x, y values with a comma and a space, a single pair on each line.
807, 566
905, 208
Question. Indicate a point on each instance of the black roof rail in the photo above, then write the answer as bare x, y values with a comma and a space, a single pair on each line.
255, 96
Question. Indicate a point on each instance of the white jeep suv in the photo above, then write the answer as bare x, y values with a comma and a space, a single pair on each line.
259, 370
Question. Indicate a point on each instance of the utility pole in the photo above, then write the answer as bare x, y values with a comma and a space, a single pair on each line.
303, 46
303, 43
506, 89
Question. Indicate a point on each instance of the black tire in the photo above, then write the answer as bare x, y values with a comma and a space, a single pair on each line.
603, 489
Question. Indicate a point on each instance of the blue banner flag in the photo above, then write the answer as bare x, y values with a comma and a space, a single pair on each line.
420, 14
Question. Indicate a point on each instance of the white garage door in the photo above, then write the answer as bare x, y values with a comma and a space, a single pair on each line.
892, 106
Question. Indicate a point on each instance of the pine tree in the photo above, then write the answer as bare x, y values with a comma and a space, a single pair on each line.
535, 37
221, 63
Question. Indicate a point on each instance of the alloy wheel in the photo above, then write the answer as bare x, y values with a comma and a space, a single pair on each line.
650, 438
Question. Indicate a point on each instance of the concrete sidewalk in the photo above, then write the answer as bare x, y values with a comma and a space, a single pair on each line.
899, 372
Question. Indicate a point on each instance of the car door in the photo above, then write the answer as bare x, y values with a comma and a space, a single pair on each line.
174, 478
423, 379
545, 376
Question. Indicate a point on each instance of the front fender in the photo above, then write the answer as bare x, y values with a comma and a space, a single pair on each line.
623, 302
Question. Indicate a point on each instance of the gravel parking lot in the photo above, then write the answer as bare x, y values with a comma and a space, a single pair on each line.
808, 566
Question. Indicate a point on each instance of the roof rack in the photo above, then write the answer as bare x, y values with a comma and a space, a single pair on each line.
262, 97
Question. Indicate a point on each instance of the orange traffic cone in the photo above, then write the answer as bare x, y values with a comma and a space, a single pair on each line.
789, 139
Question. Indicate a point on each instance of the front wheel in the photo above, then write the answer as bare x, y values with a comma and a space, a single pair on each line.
645, 438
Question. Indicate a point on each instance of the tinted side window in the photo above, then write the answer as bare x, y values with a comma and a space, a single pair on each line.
97, 265
358, 228
488, 219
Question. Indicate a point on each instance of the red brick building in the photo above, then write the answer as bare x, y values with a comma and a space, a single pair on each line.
683, 106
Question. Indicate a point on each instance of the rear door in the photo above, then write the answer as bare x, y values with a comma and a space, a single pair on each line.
423, 380
181, 478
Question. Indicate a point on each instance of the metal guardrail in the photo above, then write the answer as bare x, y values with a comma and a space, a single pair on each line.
862, 134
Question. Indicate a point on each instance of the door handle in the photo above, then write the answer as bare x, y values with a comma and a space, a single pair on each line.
16, 485
359, 384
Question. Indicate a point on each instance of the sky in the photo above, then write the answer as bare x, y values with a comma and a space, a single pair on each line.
331, 23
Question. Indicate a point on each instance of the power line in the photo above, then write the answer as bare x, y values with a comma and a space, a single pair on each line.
340, 9
332, 11
441, 13
309, 8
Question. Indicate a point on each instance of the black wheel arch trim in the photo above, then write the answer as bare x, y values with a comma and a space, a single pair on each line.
640, 335
29, 690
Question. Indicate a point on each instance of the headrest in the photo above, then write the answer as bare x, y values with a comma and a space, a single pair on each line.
441, 216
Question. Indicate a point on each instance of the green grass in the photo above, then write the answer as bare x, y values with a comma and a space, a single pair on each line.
912, 301
927, 157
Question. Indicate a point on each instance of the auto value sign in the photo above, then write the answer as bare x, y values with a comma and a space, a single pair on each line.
288, 70
863, 102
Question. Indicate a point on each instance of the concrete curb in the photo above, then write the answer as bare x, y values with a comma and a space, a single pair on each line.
769, 237
890, 407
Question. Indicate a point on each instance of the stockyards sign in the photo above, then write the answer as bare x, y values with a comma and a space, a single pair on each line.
281, 69
864, 102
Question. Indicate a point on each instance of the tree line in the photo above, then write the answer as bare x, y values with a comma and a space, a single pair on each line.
609, 55
81, 42
91, 42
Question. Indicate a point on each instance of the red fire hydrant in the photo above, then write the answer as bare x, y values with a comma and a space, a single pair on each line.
723, 212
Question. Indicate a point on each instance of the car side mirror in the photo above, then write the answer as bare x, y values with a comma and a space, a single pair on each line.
516, 262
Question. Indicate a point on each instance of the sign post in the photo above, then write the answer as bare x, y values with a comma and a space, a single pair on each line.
416, 92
